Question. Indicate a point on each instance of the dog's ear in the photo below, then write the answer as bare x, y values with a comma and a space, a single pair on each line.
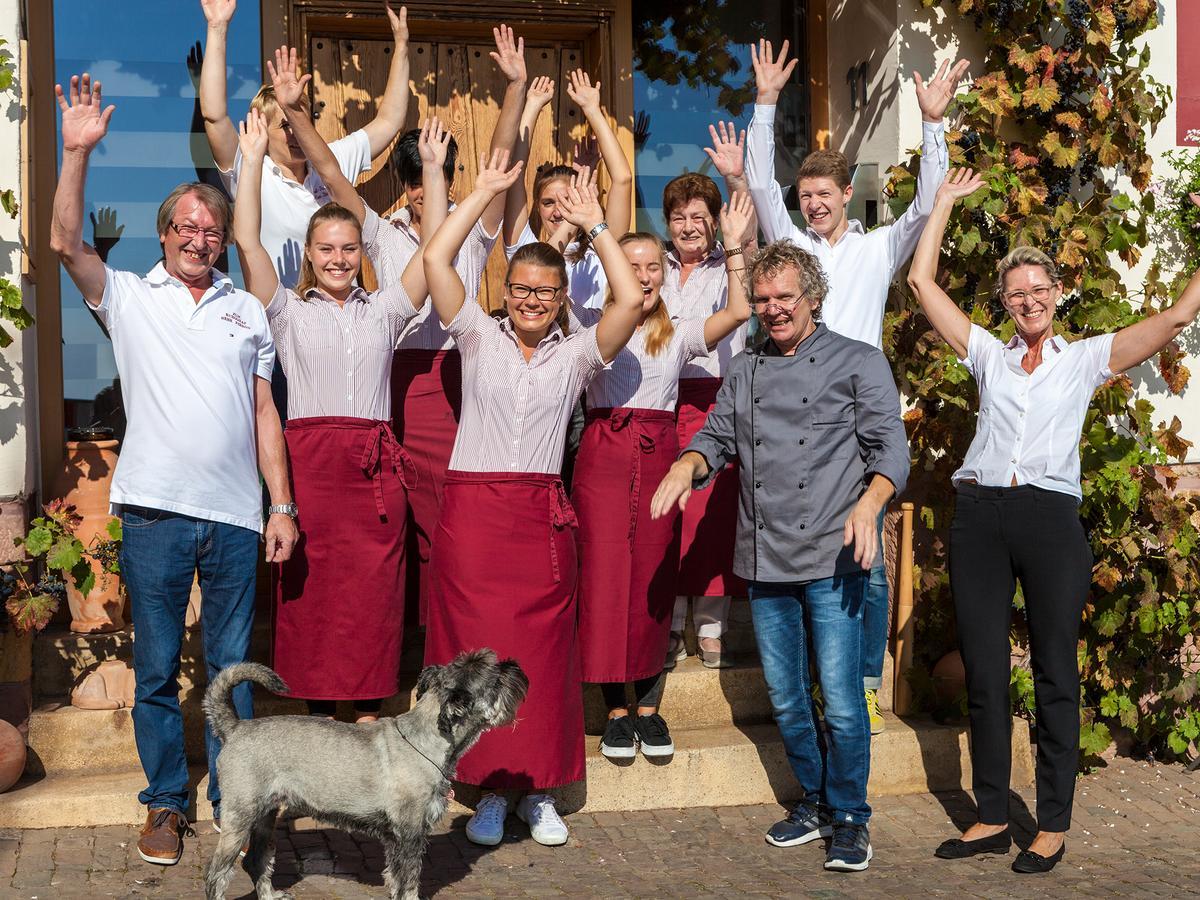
427, 679
454, 709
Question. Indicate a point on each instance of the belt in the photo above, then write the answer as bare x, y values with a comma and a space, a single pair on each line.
372, 462
562, 515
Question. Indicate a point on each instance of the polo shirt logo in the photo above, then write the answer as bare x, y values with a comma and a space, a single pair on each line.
234, 319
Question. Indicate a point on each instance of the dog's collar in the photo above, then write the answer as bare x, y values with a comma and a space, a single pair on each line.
421, 752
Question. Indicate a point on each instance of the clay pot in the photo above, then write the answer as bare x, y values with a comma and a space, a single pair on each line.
950, 677
109, 686
12, 755
83, 482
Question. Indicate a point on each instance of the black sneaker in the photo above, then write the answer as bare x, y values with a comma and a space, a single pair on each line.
654, 736
850, 850
619, 741
803, 824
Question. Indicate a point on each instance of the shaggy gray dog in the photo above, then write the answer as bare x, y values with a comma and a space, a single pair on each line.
389, 779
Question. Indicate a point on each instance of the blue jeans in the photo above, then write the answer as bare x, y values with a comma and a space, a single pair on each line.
832, 769
875, 628
160, 553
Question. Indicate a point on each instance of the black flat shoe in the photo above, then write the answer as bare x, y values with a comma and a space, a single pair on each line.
957, 848
1030, 863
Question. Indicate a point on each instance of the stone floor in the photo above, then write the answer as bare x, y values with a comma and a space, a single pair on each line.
1136, 832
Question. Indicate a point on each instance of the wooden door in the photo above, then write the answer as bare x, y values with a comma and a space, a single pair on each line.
456, 79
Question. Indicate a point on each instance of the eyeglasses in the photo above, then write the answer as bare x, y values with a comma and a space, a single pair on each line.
786, 306
522, 291
189, 233
1039, 293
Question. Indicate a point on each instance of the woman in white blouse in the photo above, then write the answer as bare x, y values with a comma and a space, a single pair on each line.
504, 561
335, 639
1017, 518
629, 562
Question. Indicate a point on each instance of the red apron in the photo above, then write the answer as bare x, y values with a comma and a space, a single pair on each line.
504, 570
338, 613
710, 518
426, 400
628, 561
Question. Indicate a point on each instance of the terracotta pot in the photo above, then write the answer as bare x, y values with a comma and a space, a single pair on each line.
950, 677
12, 755
83, 482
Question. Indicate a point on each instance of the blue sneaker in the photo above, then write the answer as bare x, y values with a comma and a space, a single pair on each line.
850, 850
803, 824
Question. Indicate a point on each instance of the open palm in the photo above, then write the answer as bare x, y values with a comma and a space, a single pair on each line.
494, 177
960, 183
84, 117
728, 152
218, 12
289, 87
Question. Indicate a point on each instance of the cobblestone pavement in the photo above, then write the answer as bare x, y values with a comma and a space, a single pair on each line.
1136, 832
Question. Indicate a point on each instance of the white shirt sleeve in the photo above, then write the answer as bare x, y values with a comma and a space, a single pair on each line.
265, 363
469, 326
904, 233
1099, 350
765, 191
691, 336
353, 153
525, 237
588, 360
117, 286
979, 344
230, 178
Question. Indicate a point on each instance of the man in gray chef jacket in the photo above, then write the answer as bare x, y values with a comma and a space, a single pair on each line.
814, 420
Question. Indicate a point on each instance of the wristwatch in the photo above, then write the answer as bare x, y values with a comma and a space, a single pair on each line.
597, 229
287, 509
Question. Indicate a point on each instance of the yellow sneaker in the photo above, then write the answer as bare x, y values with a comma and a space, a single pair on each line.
877, 722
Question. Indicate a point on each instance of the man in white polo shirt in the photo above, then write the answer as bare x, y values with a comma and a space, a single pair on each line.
194, 354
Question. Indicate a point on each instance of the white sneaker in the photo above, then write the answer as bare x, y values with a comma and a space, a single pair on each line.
545, 824
487, 825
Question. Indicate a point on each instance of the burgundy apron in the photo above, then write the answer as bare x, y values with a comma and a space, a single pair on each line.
504, 570
339, 610
426, 401
628, 561
710, 518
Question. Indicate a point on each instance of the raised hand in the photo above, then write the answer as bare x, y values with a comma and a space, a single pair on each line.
585, 174
540, 92
399, 23
252, 136
771, 74
289, 86
218, 12
433, 142
585, 94
494, 178
105, 230
728, 151
736, 218
959, 183
85, 118
586, 154
933, 97
509, 54
195, 62
581, 203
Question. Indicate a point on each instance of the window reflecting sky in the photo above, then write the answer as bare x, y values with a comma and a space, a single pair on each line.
139, 51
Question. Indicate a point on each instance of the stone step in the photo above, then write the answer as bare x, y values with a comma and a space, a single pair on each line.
715, 766
63, 738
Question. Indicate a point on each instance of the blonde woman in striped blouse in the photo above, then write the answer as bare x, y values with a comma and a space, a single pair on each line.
629, 562
351, 476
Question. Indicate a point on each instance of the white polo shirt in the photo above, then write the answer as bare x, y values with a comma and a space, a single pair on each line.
287, 205
187, 377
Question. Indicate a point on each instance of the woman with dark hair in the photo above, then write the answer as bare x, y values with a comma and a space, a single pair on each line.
350, 475
504, 561
1016, 518
545, 220
628, 562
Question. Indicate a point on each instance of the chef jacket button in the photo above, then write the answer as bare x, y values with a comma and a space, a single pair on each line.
756, 399
758, 484
801, 442
759, 442
801, 527
801, 485
805, 400
761, 526
812, 359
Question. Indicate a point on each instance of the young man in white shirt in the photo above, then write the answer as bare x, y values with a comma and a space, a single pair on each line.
291, 190
859, 265
194, 355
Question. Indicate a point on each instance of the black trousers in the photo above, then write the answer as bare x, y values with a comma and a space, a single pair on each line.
648, 691
1001, 535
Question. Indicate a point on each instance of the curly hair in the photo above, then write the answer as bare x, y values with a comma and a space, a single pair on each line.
780, 255
1024, 256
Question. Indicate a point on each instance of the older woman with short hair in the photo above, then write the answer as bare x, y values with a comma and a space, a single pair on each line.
1016, 518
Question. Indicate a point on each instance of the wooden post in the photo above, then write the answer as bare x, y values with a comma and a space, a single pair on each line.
902, 697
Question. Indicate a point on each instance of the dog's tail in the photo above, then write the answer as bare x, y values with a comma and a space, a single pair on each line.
218, 699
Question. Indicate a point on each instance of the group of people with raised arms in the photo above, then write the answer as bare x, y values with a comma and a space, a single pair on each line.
425, 439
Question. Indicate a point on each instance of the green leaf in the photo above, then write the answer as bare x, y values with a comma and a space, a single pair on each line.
83, 577
1094, 738
66, 552
38, 540
114, 529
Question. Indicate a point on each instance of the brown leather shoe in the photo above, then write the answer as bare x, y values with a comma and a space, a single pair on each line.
161, 840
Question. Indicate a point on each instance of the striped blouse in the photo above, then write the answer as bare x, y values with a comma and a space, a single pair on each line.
391, 243
515, 413
587, 283
637, 380
338, 360
706, 291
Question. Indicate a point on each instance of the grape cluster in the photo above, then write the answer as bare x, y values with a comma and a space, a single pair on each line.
8, 585
1058, 184
107, 553
52, 586
1087, 167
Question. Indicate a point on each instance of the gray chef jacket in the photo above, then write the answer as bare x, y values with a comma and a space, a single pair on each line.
809, 432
